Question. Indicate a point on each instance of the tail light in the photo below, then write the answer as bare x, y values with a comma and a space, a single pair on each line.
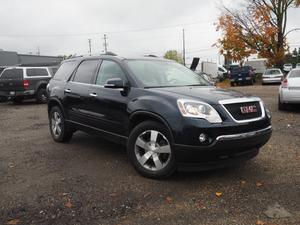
25, 83
284, 83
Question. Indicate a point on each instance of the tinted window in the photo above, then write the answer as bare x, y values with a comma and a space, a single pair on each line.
12, 74
109, 70
294, 74
86, 71
246, 69
65, 70
36, 72
273, 72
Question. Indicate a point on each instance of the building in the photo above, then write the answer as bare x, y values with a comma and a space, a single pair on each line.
9, 58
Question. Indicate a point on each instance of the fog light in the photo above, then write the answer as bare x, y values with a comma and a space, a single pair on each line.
202, 137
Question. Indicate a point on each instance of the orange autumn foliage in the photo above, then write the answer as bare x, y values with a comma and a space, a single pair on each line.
254, 30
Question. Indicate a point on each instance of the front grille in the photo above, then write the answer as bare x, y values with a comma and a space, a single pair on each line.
235, 109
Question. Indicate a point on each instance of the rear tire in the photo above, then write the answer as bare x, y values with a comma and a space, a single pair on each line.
150, 151
59, 129
41, 96
281, 105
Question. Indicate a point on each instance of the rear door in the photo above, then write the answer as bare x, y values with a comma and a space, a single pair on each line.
11, 80
76, 91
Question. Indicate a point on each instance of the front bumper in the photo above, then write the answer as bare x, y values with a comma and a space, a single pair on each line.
226, 150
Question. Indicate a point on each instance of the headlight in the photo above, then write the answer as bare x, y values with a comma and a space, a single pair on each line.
196, 109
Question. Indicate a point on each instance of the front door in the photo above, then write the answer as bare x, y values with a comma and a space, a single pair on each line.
109, 106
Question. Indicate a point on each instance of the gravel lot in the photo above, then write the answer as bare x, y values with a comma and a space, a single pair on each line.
90, 181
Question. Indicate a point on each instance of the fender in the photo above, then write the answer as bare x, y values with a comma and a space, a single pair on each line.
55, 101
153, 115
39, 84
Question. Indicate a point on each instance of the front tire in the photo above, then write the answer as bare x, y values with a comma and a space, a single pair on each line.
59, 129
149, 149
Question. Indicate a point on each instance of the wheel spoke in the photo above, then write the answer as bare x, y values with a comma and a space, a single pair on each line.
141, 143
53, 122
153, 136
55, 130
164, 149
55, 116
157, 162
58, 129
145, 157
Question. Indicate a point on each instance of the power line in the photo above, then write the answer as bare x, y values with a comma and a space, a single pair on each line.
99, 33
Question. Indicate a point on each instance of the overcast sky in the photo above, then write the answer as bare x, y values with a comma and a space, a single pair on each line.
133, 27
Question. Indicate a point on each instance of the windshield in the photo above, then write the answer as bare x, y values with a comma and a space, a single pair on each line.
272, 72
164, 74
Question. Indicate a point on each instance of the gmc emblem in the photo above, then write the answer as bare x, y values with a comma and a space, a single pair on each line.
248, 109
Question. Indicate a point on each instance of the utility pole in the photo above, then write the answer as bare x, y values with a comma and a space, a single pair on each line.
38, 51
105, 44
90, 46
183, 47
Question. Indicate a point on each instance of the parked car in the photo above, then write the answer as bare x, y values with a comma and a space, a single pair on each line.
19, 83
289, 91
168, 117
242, 75
273, 75
298, 65
287, 67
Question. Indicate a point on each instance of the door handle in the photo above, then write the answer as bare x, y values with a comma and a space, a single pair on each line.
93, 95
68, 90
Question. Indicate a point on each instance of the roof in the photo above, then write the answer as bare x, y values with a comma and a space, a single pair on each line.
118, 58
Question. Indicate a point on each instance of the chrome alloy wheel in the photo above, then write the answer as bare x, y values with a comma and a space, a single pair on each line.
152, 150
56, 124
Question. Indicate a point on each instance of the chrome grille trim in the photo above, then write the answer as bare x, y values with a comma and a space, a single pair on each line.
244, 100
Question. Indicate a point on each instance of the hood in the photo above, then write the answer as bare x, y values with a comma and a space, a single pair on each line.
210, 94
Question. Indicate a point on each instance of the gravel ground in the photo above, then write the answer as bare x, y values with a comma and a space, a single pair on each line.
90, 181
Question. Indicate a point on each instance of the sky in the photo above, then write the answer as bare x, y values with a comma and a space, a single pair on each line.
133, 27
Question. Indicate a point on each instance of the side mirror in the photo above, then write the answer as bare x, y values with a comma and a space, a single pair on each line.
114, 83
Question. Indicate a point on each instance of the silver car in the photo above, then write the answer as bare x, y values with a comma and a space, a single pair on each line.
273, 75
289, 90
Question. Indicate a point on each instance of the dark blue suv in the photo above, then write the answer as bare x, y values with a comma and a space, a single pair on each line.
168, 116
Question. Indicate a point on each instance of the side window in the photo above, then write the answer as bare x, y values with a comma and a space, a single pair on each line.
109, 70
86, 71
65, 70
37, 72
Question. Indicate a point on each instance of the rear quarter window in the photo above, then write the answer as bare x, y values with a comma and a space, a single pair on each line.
65, 71
12, 74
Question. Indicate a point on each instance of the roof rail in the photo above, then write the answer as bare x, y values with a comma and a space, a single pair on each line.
110, 53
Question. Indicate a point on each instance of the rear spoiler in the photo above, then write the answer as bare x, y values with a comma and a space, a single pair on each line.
195, 63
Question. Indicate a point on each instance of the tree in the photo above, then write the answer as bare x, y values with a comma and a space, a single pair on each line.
258, 28
173, 55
